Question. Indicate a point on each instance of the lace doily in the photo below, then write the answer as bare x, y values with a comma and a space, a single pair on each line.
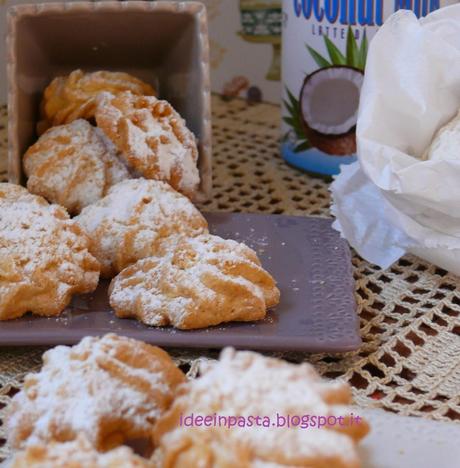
410, 314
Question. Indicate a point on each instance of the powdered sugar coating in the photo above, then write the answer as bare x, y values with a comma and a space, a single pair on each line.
72, 97
72, 165
44, 256
135, 219
249, 384
78, 453
115, 168
111, 389
188, 447
198, 282
152, 137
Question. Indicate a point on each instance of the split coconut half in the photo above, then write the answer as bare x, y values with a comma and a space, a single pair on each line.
329, 101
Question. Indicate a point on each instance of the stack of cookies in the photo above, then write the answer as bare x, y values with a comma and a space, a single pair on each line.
91, 404
124, 164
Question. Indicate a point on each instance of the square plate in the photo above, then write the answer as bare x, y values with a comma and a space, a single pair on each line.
309, 260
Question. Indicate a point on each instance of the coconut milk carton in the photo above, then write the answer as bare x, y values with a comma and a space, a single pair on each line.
324, 52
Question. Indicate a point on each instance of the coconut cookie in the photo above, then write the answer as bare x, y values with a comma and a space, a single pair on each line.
197, 283
246, 385
152, 137
44, 256
78, 453
72, 97
111, 389
133, 221
73, 165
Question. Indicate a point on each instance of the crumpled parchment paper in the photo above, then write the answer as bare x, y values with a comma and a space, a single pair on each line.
392, 201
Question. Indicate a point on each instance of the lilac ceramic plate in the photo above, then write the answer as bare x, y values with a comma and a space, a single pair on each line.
311, 263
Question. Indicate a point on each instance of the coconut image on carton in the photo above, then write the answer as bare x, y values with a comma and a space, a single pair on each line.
323, 115
324, 48
328, 102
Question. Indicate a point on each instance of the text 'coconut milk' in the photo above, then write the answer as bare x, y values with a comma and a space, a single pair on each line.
324, 50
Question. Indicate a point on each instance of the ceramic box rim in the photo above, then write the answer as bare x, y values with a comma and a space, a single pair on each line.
195, 9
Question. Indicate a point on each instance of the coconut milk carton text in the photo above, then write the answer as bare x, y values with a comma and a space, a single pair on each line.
324, 52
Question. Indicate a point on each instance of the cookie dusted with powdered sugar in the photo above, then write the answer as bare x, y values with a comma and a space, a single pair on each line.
247, 385
78, 453
71, 97
196, 283
135, 219
44, 257
152, 137
111, 389
73, 165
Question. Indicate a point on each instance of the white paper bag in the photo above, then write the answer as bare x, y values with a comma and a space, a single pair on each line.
392, 201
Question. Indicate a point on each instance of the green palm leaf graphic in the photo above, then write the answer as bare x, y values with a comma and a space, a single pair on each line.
355, 56
363, 52
294, 120
353, 53
337, 58
302, 146
318, 58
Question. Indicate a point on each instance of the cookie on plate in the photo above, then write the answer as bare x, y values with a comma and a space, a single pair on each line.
152, 137
73, 165
111, 389
243, 402
135, 219
44, 257
78, 453
196, 283
72, 97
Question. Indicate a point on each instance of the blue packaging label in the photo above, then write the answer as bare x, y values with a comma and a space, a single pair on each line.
325, 44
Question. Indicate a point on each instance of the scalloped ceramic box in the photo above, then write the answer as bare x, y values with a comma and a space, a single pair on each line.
164, 43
